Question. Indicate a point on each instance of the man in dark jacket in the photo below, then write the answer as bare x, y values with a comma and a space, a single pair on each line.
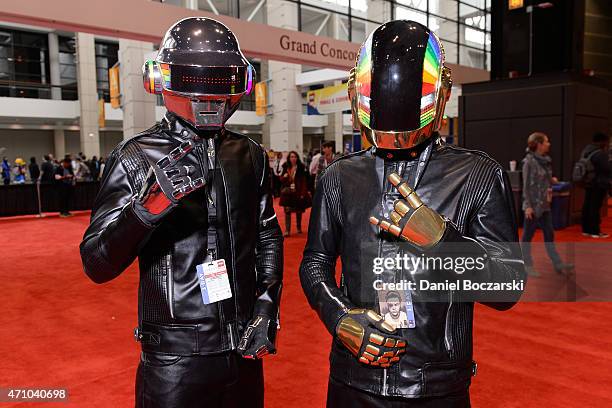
398, 91
47, 170
596, 189
34, 170
192, 201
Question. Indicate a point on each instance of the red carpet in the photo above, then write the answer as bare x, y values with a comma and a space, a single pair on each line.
59, 329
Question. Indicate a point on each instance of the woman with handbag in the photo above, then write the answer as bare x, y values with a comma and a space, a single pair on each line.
294, 197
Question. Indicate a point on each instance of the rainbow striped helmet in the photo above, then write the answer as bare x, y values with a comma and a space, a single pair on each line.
400, 85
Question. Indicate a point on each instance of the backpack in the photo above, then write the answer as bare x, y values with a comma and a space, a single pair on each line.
584, 170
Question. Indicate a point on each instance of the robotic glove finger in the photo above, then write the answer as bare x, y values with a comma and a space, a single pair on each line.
169, 180
411, 220
369, 338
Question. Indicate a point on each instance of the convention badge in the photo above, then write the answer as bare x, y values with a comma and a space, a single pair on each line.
397, 309
214, 282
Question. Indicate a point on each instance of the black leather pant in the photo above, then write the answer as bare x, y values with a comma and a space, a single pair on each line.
341, 396
220, 381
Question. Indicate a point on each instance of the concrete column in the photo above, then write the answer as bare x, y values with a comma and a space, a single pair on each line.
190, 4
138, 105
54, 65
265, 128
379, 11
88, 94
59, 143
285, 122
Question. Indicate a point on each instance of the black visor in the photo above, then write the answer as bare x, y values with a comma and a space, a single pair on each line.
208, 80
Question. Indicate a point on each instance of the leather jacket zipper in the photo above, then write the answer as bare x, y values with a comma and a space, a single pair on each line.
231, 238
384, 387
170, 277
447, 340
267, 220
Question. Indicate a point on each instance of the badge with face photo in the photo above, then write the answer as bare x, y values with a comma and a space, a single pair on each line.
396, 308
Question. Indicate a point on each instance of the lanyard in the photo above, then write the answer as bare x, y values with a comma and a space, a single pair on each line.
211, 200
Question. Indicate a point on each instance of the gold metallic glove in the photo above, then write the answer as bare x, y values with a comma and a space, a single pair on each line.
412, 220
366, 335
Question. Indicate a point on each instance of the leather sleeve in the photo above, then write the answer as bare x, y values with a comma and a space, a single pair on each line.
115, 233
317, 271
492, 231
269, 250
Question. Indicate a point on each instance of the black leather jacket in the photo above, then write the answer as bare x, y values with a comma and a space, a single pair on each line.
465, 186
248, 235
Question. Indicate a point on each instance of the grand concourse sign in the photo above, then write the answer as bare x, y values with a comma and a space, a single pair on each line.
146, 20
322, 48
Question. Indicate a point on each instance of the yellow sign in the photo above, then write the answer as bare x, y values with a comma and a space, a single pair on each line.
113, 79
261, 98
101, 118
328, 100
515, 4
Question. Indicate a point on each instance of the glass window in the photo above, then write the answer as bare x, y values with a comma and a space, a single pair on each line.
414, 4
445, 29
403, 13
472, 57
444, 8
358, 28
472, 36
317, 22
67, 65
223, 7
24, 63
472, 16
481, 4
253, 10
106, 57
450, 51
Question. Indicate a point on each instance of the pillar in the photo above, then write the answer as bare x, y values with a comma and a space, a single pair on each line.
54, 66
285, 121
138, 105
379, 11
88, 94
59, 143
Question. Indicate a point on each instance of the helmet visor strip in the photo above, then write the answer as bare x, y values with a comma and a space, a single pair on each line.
197, 80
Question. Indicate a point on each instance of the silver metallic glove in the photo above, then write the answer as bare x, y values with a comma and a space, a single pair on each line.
170, 179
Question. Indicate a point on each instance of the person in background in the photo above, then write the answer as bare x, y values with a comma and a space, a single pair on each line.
295, 197
324, 160
277, 169
82, 172
47, 168
314, 162
94, 168
34, 170
595, 190
6, 172
537, 196
102, 165
64, 175
20, 171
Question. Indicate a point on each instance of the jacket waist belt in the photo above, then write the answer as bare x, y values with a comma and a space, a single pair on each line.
186, 339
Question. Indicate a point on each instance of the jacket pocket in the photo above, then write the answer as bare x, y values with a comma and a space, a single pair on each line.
442, 378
